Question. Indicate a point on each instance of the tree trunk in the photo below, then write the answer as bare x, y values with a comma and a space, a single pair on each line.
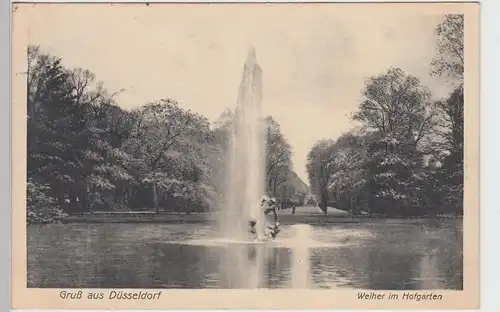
324, 202
73, 204
155, 198
323, 207
84, 207
72, 199
84, 200
61, 203
357, 205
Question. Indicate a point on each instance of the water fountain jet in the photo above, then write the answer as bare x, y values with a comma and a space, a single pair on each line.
246, 164
244, 183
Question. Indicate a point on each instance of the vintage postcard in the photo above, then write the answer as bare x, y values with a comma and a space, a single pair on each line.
252, 156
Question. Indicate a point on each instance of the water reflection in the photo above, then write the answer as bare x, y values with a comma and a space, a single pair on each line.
386, 255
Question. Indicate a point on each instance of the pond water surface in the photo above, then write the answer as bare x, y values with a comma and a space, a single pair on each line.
383, 255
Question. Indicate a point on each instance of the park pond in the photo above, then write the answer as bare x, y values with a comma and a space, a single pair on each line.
372, 254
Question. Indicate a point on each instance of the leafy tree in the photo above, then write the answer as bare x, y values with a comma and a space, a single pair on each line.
320, 169
278, 161
451, 151
166, 147
56, 125
451, 120
348, 182
41, 206
407, 157
397, 104
399, 112
450, 48
68, 150
449, 63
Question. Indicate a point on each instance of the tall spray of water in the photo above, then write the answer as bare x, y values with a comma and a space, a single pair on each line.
246, 163
241, 266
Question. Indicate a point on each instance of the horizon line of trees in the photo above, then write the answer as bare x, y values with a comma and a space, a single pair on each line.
406, 157
85, 153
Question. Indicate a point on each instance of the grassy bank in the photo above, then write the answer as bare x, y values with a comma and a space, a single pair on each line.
309, 214
302, 215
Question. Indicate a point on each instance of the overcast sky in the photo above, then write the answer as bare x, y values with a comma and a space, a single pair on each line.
315, 58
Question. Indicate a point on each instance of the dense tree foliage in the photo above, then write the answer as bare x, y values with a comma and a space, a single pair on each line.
87, 154
320, 162
449, 60
278, 164
407, 157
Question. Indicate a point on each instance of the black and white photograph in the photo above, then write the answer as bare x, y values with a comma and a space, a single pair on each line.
244, 146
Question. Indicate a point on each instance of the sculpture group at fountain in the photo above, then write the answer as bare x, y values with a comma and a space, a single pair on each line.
271, 226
